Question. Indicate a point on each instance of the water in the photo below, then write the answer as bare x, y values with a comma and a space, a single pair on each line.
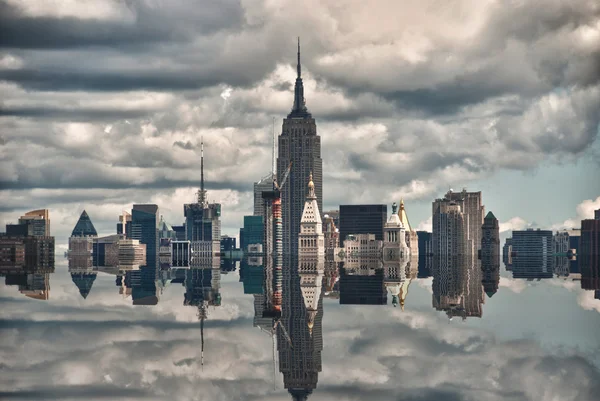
211, 334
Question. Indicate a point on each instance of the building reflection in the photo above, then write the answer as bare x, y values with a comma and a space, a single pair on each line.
361, 281
457, 287
301, 342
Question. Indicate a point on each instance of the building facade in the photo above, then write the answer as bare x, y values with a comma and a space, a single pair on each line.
38, 222
473, 211
490, 254
589, 261
252, 233
449, 238
144, 228
532, 254
362, 219
265, 184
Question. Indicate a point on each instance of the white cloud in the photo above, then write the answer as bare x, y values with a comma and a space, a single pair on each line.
586, 300
515, 223
426, 225
516, 286
585, 210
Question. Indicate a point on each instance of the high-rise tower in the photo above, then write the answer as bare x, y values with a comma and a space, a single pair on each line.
202, 219
490, 254
299, 145
311, 241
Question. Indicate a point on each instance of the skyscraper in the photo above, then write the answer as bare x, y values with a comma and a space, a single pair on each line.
253, 232
202, 219
589, 245
38, 220
449, 239
299, 145
473, 212
262, 185
532, 250
144, 227
362, 219
490, 254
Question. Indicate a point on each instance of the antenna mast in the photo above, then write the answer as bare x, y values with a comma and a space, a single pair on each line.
202, 192
273, 161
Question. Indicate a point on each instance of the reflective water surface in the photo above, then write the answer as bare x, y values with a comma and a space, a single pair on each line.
298, 328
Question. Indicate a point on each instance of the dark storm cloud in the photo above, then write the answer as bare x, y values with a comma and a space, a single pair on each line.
179, 23
356, 392
184, 145
94, 326
76, 392
113, 81
49, 180
78, 114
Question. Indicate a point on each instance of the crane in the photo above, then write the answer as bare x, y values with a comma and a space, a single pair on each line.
283, 180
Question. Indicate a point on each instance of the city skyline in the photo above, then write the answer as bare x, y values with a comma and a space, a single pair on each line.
150, 138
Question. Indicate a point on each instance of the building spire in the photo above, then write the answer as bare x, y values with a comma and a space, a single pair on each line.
202, 191
202, 314
298, 66
299, 109
311, 188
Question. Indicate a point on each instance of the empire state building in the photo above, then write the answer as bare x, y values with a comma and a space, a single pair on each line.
299, 145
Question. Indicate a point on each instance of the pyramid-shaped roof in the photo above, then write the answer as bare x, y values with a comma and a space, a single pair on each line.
84, 282
404, 217
84, 226
490, 215
311, 213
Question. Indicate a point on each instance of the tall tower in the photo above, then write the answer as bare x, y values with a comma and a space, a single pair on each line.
394, 237
300, 145
590, 253
473, 211
490, 254
202, 219
311, 241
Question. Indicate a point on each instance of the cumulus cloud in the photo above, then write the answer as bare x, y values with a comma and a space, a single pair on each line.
515, 223
585, 210
516, 286
586, 300
102, 97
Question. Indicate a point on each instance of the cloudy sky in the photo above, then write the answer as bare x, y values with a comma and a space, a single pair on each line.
103, 103
536, 342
